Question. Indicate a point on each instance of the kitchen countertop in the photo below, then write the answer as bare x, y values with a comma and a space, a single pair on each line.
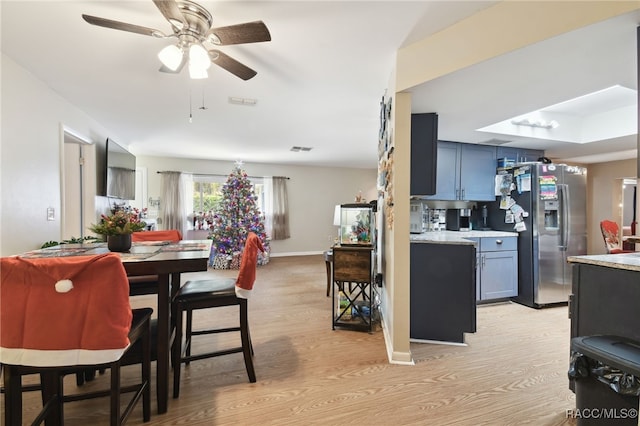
456, 237
628, 261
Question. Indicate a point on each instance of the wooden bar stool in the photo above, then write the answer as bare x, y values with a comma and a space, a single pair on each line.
64, 315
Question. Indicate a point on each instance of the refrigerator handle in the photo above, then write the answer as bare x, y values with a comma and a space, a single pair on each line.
563, 192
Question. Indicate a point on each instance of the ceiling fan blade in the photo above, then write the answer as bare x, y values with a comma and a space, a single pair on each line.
228, 63
171, 11
123, 26
249, 32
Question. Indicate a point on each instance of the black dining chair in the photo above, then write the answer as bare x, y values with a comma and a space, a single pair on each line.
68, 314
213, 293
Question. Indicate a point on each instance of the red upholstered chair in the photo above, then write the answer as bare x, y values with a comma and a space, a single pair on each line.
213, 293
611, 235
172, 235
148, 284
67, 314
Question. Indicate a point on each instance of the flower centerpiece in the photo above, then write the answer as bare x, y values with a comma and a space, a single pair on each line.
118, 227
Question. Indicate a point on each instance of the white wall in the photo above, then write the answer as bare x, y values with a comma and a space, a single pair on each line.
30, 172
32, 116
313, 193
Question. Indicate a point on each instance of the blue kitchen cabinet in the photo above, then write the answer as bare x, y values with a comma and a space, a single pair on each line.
477, 179
447, 172
465, 172
497, 268
519, 155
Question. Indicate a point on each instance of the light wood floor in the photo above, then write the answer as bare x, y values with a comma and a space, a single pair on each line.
513, 371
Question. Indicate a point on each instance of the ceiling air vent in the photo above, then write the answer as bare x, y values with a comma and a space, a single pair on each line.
300, 148
494, 142
242, 101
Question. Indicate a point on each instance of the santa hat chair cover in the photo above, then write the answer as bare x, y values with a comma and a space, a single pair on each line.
63, 311
247, 275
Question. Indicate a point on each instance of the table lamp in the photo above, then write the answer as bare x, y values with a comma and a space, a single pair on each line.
336, 220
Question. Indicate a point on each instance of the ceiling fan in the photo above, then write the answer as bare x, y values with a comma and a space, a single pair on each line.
191, 25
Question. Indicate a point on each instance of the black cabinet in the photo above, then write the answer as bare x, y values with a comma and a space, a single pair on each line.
604, 301
424, 153
442, 291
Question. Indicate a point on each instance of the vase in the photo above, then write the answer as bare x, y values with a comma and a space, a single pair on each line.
119, 243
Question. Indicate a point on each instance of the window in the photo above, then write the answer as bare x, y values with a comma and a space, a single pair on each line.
207, 195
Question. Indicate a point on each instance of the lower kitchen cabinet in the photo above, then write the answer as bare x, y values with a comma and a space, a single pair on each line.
497, 268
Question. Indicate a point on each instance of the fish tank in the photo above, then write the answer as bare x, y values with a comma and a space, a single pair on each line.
357, 224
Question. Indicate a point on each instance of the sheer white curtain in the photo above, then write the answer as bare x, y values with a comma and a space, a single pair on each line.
276, 206
177, 188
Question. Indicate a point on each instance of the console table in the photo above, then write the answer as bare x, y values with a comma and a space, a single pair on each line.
352, 290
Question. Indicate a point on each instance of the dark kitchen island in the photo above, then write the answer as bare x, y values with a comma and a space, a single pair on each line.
443, 285
606, 295
604, 302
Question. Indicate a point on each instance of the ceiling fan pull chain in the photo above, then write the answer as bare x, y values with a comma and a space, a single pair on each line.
203, 107
190, 109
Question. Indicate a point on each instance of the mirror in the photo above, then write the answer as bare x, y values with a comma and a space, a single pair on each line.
629, 205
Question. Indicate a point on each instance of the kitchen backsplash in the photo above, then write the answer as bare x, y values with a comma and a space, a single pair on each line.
428, 216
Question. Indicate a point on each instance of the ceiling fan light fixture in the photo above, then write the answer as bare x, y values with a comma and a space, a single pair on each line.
199, 57
171, 57
197, 73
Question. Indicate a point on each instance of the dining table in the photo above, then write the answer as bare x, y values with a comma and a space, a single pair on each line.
165, 259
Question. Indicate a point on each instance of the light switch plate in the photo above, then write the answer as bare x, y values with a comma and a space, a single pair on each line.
51, 213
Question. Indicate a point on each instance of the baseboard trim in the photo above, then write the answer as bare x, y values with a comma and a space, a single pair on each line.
394, 357
295, 253
437, 342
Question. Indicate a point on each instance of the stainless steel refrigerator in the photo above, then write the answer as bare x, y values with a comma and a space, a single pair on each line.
546, 204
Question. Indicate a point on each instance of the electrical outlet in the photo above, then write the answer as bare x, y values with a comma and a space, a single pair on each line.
51, 213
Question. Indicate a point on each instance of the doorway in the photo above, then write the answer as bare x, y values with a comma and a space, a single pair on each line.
77, 186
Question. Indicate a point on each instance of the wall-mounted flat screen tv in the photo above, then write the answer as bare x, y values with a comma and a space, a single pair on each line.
121, 172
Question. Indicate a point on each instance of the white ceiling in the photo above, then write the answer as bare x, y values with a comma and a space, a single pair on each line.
544, 74
319, 81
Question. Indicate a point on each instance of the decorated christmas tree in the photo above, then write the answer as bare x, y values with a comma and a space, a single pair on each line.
237, 215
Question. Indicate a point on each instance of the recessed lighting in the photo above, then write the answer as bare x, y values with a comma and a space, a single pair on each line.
542, 124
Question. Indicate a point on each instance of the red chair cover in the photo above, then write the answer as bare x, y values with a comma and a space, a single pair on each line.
47, 321
248, 265
172, 235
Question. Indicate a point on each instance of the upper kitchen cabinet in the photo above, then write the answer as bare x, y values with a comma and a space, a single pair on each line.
519, 155
424, 151
465, 172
